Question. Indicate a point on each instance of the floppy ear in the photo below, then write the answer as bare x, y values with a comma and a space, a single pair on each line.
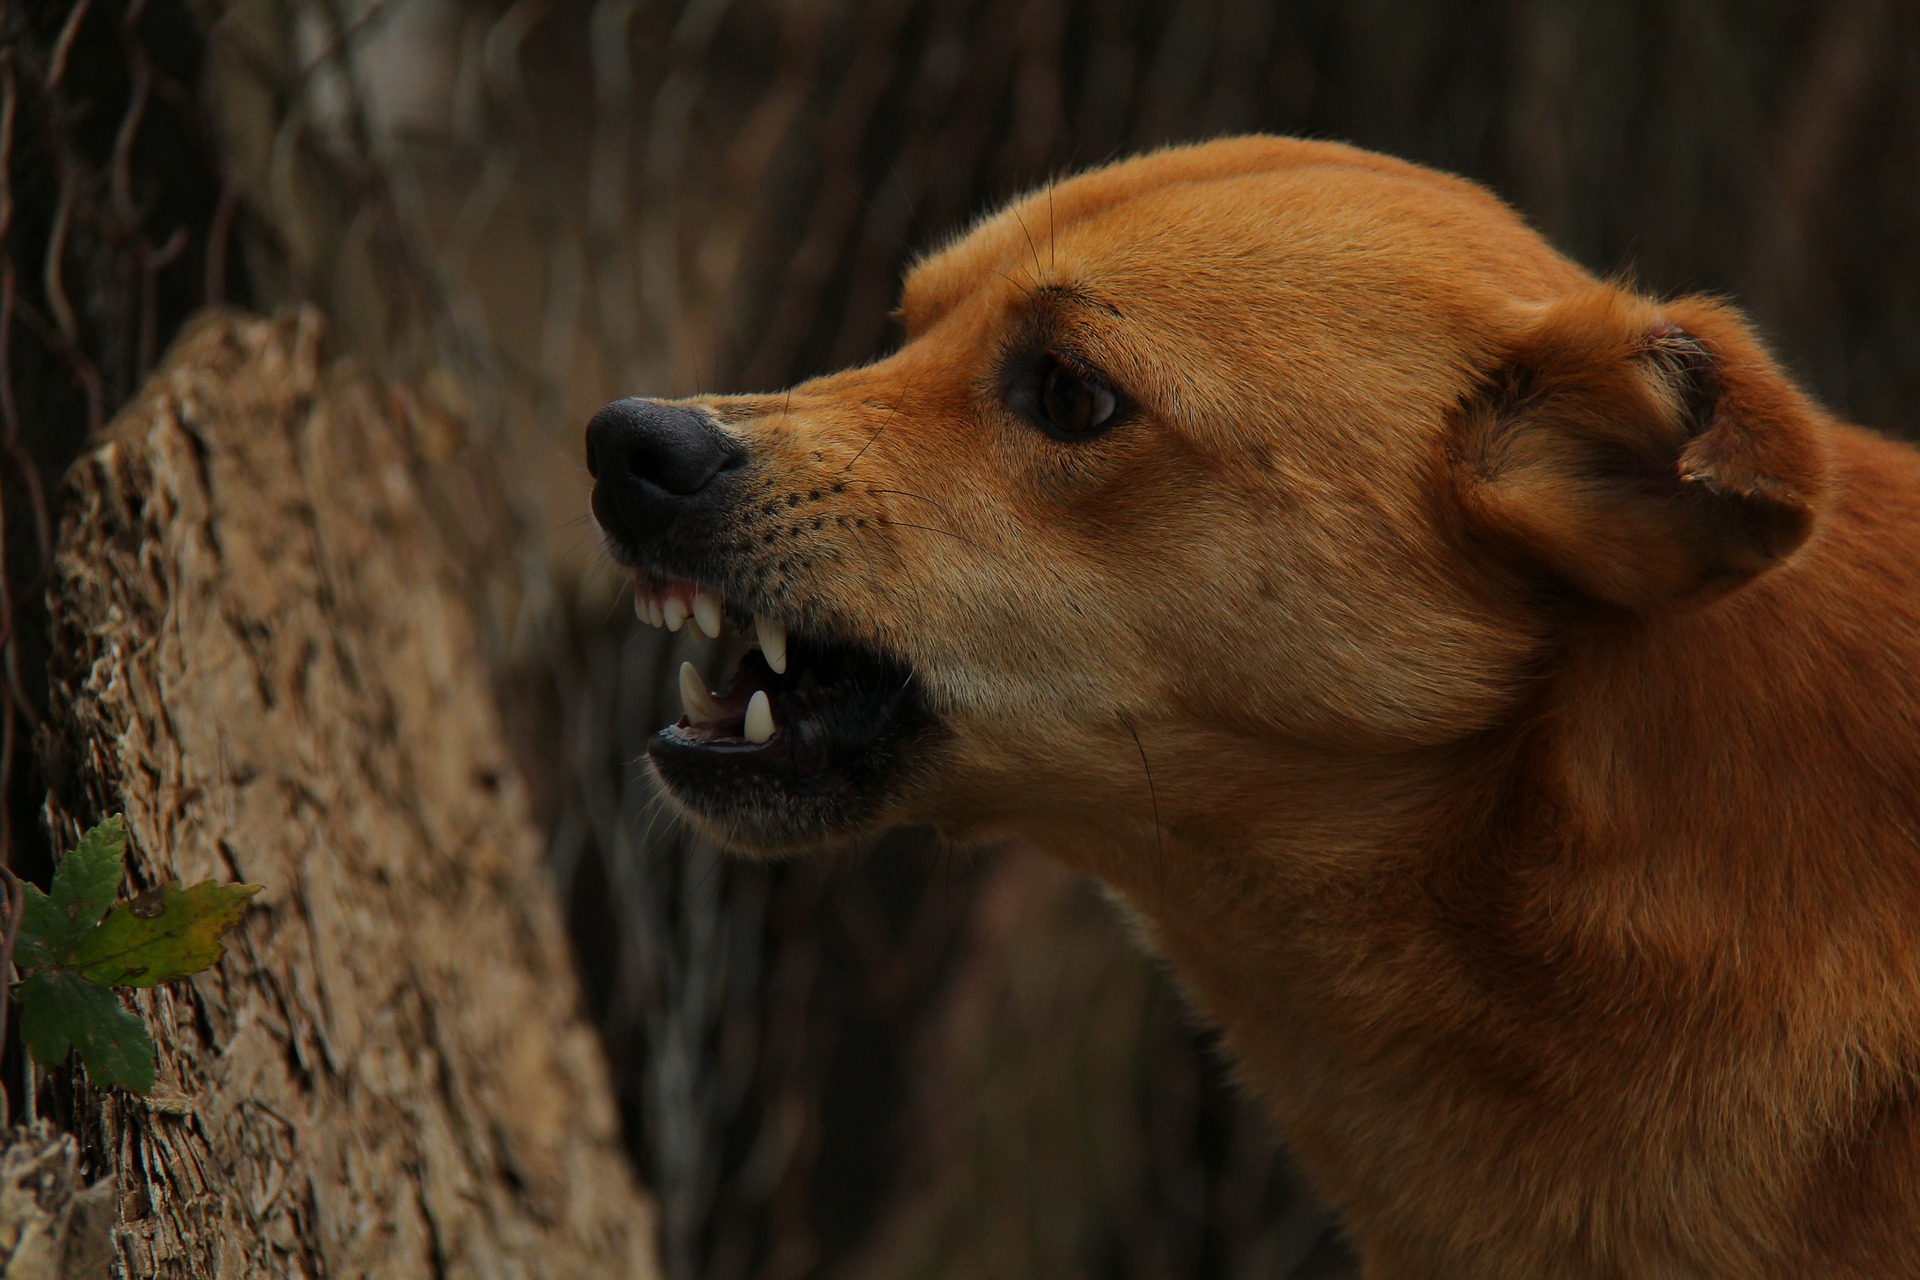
1648, 455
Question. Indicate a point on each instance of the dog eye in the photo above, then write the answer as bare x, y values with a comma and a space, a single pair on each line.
1073, 405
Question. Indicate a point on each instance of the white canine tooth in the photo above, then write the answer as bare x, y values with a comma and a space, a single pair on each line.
759, 723
706, 611
773, 642
700, 706
675, 611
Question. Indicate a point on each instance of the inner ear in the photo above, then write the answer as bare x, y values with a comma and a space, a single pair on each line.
1647, 455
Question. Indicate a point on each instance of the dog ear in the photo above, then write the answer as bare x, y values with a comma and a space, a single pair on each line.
1647, 455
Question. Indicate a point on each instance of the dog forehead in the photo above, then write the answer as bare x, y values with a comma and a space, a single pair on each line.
1312, 215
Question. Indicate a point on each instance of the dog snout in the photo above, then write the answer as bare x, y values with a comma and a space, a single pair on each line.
650, 461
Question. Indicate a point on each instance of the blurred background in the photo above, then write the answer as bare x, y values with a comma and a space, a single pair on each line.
921, 1063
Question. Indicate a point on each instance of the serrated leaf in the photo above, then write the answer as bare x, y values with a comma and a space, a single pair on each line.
172, 932
86, 879
60, 1010
39, 921
53, 923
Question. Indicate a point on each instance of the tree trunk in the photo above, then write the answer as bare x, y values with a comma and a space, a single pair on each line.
262, 656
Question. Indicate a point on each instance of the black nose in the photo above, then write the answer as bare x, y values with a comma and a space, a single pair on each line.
649, 461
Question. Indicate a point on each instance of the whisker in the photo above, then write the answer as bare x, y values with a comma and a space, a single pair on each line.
1153, 794
1032, 248
1024, 286
911, 579
908, 493
884, 423
1052, 228
961, 537
613, 609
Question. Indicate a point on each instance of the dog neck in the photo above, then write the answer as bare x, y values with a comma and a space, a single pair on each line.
1535, 931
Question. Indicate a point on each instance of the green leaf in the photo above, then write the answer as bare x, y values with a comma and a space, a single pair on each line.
60, 1010
87, 878
40, 921
53, 923
170, 933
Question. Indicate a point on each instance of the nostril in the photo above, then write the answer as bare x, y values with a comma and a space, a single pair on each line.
645, 461
655, 453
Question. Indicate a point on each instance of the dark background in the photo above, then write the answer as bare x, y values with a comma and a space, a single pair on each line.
920, 1063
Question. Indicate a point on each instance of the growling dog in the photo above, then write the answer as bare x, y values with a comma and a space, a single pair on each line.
1495, 691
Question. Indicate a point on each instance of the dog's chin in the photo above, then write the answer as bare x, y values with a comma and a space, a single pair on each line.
776, 827
849, 733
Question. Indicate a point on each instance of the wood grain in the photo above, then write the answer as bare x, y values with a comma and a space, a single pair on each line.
263, 657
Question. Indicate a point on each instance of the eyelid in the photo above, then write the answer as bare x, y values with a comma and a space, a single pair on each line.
1076, 364
1088, 374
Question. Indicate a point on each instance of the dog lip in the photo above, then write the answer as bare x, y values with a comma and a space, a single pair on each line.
649, 573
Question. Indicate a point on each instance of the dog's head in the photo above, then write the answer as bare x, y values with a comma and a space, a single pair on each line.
1255, 455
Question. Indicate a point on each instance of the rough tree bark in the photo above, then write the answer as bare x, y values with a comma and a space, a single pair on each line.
263, 658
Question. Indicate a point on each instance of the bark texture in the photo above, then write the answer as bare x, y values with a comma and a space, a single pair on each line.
53, 1226
264, 657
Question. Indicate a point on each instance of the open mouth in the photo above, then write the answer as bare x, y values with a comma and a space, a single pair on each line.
804, 735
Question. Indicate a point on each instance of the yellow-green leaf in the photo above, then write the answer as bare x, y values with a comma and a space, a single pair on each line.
172, 932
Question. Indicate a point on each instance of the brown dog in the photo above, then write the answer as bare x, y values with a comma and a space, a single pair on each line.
1497, 693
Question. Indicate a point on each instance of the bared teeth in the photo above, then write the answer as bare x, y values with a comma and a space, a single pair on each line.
773, 642
701, 706
676, 604
759, 723
646, 602
706, 611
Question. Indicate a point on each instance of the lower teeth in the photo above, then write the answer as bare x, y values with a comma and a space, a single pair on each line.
759, 724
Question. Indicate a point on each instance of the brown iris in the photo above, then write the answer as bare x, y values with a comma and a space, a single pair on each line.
1074, 405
